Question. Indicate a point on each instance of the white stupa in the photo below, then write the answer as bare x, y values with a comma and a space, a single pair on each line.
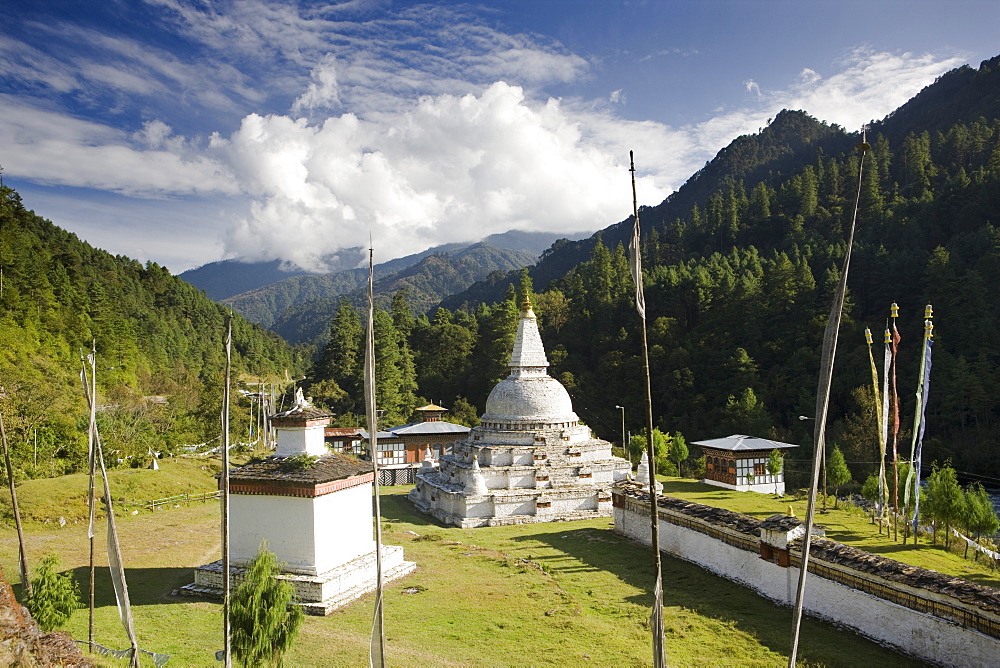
314, 509
529, 460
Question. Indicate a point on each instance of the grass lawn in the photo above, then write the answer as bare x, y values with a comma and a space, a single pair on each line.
561, 594
847, 524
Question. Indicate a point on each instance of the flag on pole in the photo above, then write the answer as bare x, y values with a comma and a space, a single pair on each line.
635, 261
925, 386
884, 426
918, 415
878, 415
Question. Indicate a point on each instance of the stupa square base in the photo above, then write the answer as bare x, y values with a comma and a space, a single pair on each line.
316, 594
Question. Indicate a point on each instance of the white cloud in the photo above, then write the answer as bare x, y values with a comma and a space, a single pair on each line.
323, 91
752, 87
450, 168
52, 148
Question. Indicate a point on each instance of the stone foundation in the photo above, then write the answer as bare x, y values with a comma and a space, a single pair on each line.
316, 594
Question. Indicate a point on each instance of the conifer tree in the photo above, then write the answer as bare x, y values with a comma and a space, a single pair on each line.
54, 596
263, 622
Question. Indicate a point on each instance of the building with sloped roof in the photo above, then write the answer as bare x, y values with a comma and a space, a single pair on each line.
313, 508
740, 462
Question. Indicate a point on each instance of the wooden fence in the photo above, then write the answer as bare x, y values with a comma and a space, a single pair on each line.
178, 499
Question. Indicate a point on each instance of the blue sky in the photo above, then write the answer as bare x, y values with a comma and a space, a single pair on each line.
186, 131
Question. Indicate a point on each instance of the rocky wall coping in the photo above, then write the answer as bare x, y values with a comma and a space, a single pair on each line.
277, 470
782, 523
981, 596
833, 552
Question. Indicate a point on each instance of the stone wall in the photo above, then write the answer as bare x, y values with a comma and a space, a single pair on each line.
938, 618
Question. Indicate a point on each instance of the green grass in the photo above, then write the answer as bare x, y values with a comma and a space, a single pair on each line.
561, 594
847, 524
45, 500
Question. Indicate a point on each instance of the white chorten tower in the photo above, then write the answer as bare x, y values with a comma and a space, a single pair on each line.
529, 460
315, 514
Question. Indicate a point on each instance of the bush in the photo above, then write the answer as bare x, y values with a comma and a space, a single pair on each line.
54, 597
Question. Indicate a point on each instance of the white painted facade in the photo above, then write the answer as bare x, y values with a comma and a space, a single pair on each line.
297, 440
529, 460
915, 633
309, 535
317, 519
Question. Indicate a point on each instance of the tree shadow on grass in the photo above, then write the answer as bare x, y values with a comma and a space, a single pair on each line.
146, 586
686, 586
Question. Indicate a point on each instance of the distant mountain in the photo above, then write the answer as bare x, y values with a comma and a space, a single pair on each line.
425, 283
226, 278
269, 291
739, 266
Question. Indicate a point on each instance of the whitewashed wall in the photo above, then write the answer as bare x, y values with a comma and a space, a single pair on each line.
918, 634
310, 535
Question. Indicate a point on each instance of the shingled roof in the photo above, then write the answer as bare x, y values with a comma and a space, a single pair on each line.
325, 469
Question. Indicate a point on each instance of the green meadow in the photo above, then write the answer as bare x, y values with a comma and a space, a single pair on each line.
561, 594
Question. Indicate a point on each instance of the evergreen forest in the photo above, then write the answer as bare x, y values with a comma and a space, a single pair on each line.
159, 351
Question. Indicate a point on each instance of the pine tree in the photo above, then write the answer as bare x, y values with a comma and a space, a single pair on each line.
54, 597
263, 622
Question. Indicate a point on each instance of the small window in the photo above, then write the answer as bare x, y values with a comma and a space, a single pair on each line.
759, 469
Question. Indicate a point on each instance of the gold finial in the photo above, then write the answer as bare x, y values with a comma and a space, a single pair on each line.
894, 310
526, 310
868, 335
928, 312
928, 329
864, 146
888, 337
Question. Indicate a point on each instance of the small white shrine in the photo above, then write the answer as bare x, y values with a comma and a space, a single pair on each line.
529, 460
316, 516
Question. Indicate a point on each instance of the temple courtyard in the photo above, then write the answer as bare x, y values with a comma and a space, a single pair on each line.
572, 593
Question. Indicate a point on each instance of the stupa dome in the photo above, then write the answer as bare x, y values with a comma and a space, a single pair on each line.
536, 399
529, 396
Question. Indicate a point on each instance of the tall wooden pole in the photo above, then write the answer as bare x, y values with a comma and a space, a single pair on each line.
822, 406
25, 578
656, 619
227, 650
376, 654
92, 497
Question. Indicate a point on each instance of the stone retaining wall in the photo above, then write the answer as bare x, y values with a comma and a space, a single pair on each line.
938, 618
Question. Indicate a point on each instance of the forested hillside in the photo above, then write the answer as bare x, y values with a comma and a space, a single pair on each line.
159, 349
425, 283
740, 265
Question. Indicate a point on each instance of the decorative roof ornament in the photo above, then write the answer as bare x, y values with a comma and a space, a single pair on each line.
428, 462
477, 481
528, 350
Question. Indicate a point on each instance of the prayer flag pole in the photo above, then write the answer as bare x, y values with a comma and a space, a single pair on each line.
822, 406
376, 653
656, 618
226, 584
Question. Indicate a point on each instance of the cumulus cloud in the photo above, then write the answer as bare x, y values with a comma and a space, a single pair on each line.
451, 168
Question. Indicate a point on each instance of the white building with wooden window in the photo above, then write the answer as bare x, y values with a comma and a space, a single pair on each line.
529, 460
740, 462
